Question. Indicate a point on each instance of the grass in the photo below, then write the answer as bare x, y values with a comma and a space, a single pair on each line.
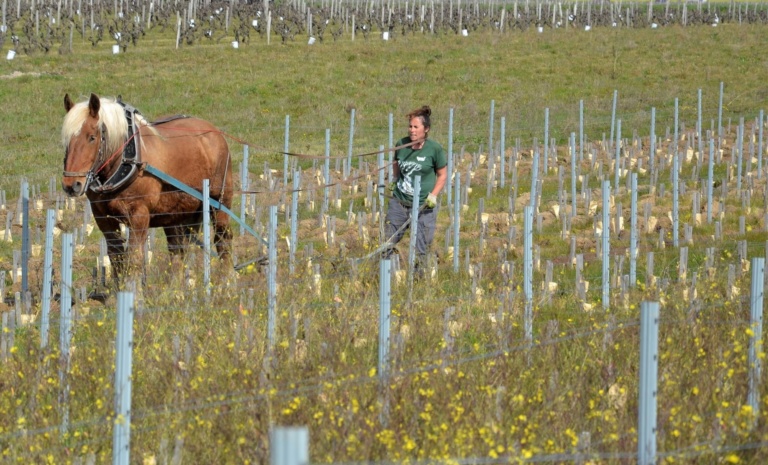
464, 382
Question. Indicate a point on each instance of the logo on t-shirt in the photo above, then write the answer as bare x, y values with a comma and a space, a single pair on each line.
407, 168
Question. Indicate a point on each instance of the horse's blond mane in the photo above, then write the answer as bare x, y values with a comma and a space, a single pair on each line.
111, 115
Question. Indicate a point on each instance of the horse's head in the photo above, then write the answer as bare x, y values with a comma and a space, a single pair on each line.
91, 132
83, 137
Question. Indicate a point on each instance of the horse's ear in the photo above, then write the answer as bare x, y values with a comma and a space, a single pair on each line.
68, 104
93, 106
119, 98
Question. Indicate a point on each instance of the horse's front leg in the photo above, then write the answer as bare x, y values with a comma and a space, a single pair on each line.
110, 227
137, 240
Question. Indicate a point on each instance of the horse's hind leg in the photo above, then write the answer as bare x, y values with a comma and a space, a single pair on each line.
176, 239
223, 236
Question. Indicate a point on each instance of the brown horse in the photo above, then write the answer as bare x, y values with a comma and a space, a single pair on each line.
107, 144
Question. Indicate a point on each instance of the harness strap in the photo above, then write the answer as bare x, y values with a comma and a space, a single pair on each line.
131, 156
75, 174
165, 177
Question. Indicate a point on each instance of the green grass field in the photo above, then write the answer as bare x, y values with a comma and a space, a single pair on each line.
248, 91
464, 383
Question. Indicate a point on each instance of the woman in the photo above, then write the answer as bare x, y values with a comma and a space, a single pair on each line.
425, 158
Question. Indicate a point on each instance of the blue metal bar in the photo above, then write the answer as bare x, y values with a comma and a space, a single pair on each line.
649, 369
652, 153
675, 199
380, 177
546, 141
65, 325
677, 125
327, 170
24, 239
289, 445
490, 139
573, 174
757, 295
121, 433
414, 225
286, 144
392, 144
528, 271
740, 158
502, 152
50, 220
199, 196
294, 220
534, 176
272, 278
348, 168
760, 147
244, 185
456, 223
700, 135
617, 163
581, 130
384, 316
606, 244
633, 234
720, 116
450, 155
206, 236
613, 113
710, 181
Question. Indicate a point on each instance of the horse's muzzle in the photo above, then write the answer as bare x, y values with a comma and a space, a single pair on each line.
75, 189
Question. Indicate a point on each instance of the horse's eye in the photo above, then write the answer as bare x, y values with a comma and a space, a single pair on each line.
92, 139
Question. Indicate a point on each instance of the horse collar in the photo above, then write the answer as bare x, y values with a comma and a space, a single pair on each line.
131, 157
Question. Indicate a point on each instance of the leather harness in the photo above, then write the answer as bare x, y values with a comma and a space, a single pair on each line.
131, 156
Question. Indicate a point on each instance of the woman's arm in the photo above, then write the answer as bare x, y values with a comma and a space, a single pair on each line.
395, 171
442, 176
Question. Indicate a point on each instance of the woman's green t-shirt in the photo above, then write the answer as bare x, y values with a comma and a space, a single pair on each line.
423, 162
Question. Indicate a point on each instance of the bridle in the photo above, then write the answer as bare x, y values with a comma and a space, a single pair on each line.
90, 175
